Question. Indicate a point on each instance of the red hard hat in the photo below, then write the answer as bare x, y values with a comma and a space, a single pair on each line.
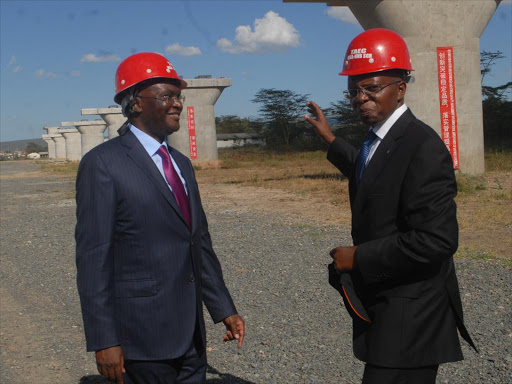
376, 50
143, 66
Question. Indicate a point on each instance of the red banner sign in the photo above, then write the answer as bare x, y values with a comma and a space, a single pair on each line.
448, 108
192, 132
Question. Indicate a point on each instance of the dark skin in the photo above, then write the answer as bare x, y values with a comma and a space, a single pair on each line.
372, 110
158, 119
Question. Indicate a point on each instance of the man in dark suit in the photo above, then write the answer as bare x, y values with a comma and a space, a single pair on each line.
145, 262
398, 279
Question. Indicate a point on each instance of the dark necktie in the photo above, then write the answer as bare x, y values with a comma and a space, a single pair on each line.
175, 182
363, 154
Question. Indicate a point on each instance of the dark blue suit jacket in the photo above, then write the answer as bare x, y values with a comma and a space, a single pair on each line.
142, 274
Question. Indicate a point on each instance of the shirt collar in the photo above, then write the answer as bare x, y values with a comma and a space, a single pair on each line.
383, 128
149, 143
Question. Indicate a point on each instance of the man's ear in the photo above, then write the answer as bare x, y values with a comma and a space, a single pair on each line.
402, 88
137, 106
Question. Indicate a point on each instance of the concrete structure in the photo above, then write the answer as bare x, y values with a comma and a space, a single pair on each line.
202, 94
51, 146
60, 145
91, 133
49, 140
426, 25
111, 115
227, 140
73, 141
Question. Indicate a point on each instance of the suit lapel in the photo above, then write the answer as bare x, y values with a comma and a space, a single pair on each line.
382, 155
141, 158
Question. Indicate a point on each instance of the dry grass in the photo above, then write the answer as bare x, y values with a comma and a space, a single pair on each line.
60, 167
484, 202
305, 184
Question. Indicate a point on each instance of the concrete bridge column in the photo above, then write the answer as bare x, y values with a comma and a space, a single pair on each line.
427, 25
111, 115
202, 94
73, 143
91, 133
51, 146
60, 145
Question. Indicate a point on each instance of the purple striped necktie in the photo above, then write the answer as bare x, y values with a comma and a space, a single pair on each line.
175, 182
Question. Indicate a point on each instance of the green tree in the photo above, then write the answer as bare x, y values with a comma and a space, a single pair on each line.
33, 147
496, 105
282, 114
345, 122
236, 124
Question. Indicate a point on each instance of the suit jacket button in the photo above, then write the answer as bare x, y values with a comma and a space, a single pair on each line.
192, 278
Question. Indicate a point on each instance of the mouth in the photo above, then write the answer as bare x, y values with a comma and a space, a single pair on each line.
174, 115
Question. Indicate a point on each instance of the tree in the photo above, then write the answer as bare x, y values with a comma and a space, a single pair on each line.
33, 147
344, 121
496, 105
235, 124
282, 113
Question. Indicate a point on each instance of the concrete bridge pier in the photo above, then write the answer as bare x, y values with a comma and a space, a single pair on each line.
49, 140
91, 133
427, 25
73, 141
51, 146
60, 145
201, 94
111, 115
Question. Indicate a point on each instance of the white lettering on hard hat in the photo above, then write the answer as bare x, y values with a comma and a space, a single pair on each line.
359, 53
148, 70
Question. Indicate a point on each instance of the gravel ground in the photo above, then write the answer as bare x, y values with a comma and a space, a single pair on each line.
275, 267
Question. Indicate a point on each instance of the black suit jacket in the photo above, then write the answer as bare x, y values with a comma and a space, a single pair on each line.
405, 227
142, 273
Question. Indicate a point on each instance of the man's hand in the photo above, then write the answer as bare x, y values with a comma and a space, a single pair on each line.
235, 329
320, 125
343, 258
110, 363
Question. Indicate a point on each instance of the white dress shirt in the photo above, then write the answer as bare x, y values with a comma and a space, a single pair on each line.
383, 128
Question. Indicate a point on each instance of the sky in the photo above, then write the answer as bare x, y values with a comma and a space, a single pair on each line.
57, 57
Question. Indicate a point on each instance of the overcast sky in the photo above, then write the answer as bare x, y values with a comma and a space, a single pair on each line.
57, 57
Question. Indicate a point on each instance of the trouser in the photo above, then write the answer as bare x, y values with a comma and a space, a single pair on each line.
381, 375
187, 369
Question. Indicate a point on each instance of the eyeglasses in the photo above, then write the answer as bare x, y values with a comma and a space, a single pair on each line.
369, 90
167, 99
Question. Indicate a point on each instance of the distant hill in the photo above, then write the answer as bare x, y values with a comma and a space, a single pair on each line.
21, 144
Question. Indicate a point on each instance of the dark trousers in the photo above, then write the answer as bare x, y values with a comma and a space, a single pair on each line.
187, 369
380, 375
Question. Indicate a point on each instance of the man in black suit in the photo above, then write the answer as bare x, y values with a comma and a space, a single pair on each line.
398, 279
145, 262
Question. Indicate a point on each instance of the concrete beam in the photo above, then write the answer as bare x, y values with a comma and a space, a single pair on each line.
202, 94
426, 25
49, 130
112, 115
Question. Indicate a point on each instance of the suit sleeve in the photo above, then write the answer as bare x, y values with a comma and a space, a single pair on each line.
216, 296
343, 156
96, 207
427, 223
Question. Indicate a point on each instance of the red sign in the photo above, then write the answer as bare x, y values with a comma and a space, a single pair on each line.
192, 132
448, 108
